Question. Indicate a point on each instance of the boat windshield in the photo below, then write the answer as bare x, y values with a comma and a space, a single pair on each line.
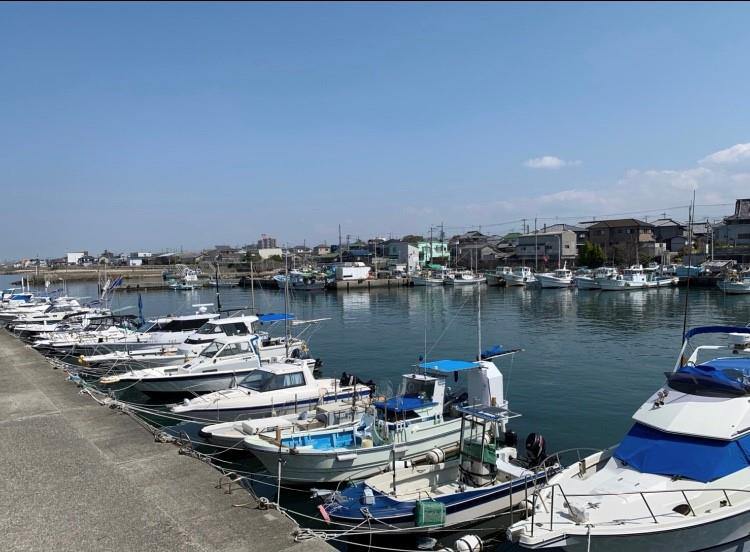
210, 350
209, 328
263, 381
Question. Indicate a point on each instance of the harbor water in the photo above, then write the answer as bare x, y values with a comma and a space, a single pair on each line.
589, 358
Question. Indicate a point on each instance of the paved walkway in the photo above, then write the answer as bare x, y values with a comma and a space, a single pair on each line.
78, 476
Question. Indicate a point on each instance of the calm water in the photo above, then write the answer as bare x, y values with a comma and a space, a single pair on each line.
590, 358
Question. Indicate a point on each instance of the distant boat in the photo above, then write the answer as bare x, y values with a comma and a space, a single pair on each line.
465, 278
497, 278
631, 279
735, 284
592, 281
520, 276
560, 278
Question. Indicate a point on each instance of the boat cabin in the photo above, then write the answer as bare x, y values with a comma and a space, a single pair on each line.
277, 377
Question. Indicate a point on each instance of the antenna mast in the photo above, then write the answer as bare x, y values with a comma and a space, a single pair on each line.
690, 265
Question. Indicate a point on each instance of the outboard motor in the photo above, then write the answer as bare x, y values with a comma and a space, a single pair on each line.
536, 449
510, 438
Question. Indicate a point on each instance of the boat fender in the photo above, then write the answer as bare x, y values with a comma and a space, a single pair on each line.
435, 456
324, 513
469, 543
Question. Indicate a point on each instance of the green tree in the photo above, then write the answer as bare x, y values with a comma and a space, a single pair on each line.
591, 255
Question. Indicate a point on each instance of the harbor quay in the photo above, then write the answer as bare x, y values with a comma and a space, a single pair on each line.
80, 476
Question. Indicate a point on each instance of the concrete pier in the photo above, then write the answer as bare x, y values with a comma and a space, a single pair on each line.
79, 476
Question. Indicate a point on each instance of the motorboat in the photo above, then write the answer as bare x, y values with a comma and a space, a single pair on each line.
520, 276
430, 278
487, 480
591, 280
155, 333
560, 278
404, 427
735, 283
218, 366
188, 282
337, 414
678, 480
276, 388
269, 346
465, 278
497, 278
631, 279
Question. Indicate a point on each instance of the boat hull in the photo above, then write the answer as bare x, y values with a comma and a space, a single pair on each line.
586, 283
552, 282
734, 288
344, 464
187, 385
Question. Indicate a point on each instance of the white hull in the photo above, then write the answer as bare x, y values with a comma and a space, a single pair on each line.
583, 282
466, 282
552, 282
735, 288
516, 280
425, 281
333, 466
724, 535
182, 385
621, 285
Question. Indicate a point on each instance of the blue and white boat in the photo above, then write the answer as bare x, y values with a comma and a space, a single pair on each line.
485, 482
678, 480
404, 427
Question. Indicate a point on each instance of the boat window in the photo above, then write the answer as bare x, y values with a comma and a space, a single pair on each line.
232, 349
262, 381
210, 350
237, 328
209, 328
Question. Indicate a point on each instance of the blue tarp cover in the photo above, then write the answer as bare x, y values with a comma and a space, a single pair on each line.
650, 450
448, 365
275, 316
400, 404
719, 374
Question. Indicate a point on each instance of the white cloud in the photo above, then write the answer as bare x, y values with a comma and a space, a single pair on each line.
549, 162
587, 197
735, 154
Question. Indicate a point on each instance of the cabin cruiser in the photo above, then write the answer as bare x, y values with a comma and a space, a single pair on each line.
404, 427
164, 331
631, 279
560, 278
465, 278
680, 477
497, 278
320, 416
23, 304
591, 281
486, 480
735, 283
218, 366
520, 276
283, 387
62, 318
239, 325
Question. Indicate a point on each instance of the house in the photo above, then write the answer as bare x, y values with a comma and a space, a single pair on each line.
433, 252
75, 257
268, 252
670, 232
135, 262
582, 233
621, 239
403, 253
548, 248
735, 230
322, 249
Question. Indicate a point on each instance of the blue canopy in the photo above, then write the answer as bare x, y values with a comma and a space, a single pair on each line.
716, 329
448, 365
650, 450
275, 316
403, 403
726, 376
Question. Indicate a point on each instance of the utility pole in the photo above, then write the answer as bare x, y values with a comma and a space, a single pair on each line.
339, 243
536, 248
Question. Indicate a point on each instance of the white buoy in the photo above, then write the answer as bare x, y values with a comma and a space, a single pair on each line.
469, 543
436, 456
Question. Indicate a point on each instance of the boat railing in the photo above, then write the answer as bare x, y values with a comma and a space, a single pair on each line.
554, 488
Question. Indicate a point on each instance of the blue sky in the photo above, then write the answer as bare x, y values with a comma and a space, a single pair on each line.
152, 126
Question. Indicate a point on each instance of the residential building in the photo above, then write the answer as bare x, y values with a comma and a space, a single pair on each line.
670, 232
75, 257
266, 242
268, 252
403, 253
582, 233
434, 252
322, 249
135, 262
621, 239
547, 248
735, 230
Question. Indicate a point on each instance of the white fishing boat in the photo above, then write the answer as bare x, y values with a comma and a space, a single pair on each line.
188, 282
631, 279
404, 427
277, 388
322, 416
560, 278
678, 480
497, 278
218, 366
591, 281
465, 278
520, 276
735, 283
487, 480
